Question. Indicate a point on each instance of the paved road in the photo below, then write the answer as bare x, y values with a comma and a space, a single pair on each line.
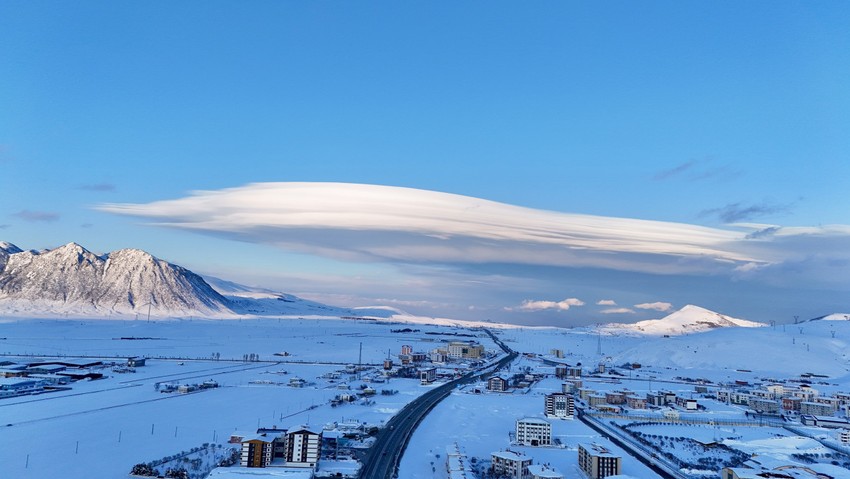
384, 456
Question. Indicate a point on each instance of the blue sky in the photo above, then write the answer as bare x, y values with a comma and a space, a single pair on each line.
698, 113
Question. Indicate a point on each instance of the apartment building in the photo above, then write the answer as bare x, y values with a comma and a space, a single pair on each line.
598, 462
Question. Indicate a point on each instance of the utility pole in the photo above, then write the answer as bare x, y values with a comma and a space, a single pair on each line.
359, 361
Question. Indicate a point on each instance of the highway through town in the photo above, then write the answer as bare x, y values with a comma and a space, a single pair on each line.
384, 456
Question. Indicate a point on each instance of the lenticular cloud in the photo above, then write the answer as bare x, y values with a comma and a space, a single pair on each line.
382, 223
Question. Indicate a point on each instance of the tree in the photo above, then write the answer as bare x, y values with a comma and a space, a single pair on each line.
143, 469
177, 473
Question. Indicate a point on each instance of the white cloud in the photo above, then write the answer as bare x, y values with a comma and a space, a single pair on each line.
606, 302
656, 306
355, 222
617, 311
536, 305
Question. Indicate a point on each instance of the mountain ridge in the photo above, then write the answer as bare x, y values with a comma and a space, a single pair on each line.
70, 279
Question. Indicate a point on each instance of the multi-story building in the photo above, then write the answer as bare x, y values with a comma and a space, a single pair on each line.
571, 386
465, 350
655, 399
733, 396
595, 400
532, 431
598, 462
816, 408
806, 393
542, 471
614, 397
302, 447
636, 402
585, 393
560, 371
559, 405
770, 406
791, 403
257, 451
510, 464
497, 383
407, 349
427, 375
439, 355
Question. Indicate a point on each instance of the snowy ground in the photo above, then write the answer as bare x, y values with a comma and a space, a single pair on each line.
107, 426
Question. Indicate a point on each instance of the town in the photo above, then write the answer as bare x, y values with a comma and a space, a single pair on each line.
539, 403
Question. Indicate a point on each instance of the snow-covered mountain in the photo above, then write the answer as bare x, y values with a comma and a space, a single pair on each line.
258, 301
71, 280
833, 317
689, 319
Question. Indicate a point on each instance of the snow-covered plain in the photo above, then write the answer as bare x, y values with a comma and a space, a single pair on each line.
106, 426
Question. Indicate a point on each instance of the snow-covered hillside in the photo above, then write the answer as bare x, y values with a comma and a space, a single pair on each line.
689, 319
833, 317
74, 281
250, 300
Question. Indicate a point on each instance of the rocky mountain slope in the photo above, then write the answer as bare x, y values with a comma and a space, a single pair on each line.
74, 281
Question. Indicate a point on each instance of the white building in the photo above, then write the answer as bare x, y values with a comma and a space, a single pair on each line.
511, 464
302, 447
457, 464
540, 471
531, 431
427, 375
559, 405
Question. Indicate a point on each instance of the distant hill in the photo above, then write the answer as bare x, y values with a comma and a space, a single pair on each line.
689, 319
